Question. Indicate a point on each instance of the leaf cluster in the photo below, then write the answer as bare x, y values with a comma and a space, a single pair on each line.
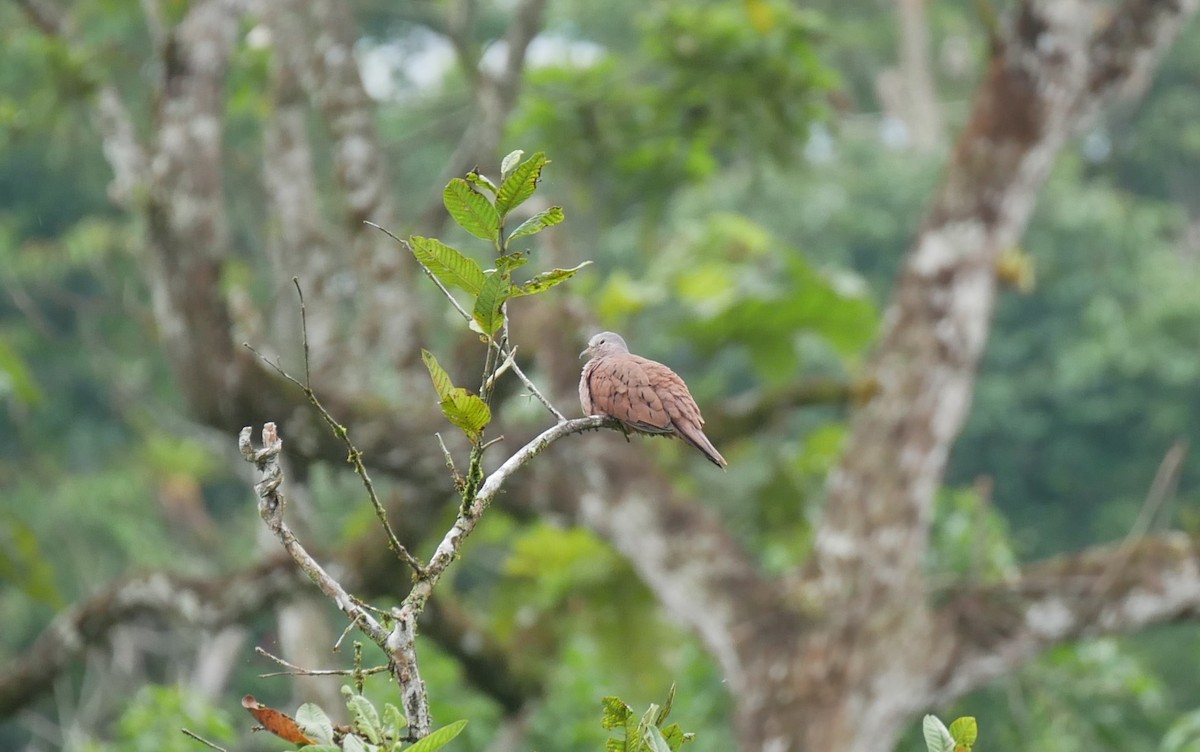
960, 737
482, 207
370, 731
644, 734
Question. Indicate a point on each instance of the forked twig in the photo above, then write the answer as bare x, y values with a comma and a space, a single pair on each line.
301, 671
505, 352
354, 455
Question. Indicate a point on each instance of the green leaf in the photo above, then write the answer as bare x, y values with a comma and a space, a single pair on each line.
394, 722
546, 280
654, 740
449, 265
616, 712
466, 411
492, 295
477, 178
537, 223
351, 743
511, 160
964, 731
16, 378
366, 717
675, 736
520, 185
314, 723
666, 708
320, 748
439, 738
441, 380
471, 210
937, 738
510, 261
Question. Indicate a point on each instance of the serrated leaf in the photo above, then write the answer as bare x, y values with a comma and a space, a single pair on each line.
448, 264
315, 724
510, 261
439, 738
441, 380
537, 223
674, 736
654, 740
546, 280
492, 295
466, 411
937, 737
366, 717
964, 731
511, 160
519, 185
475, 177
471, 210
616, 712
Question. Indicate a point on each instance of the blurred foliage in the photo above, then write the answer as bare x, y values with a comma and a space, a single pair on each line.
725, 165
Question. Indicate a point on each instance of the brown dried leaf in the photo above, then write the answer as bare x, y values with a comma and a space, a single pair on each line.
278, 723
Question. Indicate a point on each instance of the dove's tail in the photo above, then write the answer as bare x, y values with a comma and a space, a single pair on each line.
694, 436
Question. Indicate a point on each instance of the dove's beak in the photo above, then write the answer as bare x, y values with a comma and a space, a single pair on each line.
586, 351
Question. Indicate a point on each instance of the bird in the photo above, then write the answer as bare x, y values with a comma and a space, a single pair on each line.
644, 395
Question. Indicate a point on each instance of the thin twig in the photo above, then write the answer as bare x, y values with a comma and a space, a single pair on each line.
453, 300
354, 456
1160, 491
504, 351
504, 366
449, 458
338, 645
202, 740
301, 671
534, 391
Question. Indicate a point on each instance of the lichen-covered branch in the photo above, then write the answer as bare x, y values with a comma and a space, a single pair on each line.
196, 603
992, 630
398, 640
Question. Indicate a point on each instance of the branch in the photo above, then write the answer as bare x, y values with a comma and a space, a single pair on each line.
399, 642
198, 603
992, 630
748, 413
1039, 87
270, 506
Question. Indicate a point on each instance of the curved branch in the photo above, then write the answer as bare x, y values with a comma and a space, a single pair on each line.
197, 603
1040, 85
1116, 589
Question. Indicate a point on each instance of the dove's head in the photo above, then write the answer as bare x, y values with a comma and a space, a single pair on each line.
604, 344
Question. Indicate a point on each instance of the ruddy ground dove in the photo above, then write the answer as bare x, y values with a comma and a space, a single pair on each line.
644, 395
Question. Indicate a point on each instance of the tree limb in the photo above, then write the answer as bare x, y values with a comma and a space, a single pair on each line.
993, 630
197, 603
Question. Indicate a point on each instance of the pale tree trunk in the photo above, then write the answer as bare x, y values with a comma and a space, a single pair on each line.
922, 112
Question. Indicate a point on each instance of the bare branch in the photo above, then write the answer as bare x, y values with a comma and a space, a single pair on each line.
205, 604
354, 456
992, 630
270, 507
300, 671
202, 740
